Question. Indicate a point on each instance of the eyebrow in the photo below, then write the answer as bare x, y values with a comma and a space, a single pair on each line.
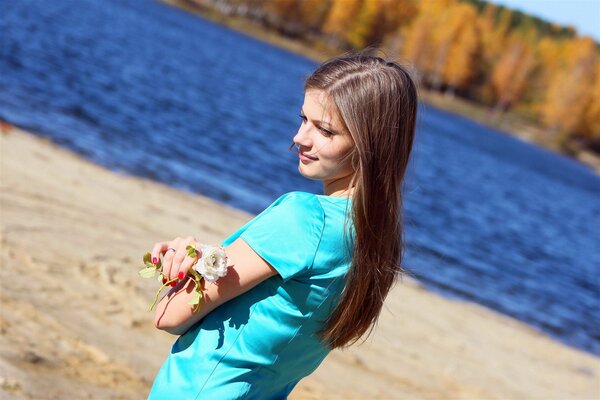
331, 127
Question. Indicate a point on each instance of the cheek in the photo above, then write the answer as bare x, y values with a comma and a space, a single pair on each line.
346, 161
343, 154
336, 162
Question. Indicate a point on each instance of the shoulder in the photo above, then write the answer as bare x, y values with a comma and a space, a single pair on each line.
293, 215
300, 202
287, 234
298, 195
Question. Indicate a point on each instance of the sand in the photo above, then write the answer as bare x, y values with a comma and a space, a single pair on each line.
74, 322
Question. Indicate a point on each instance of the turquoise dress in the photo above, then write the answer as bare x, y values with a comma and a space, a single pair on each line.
261, 343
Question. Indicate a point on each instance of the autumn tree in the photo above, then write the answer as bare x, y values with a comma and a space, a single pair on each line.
313, 13
510, 73
463, 49
568, 96
591, 118
454, 36
362, 30
493, 27
419, 44
341, 16
548, 60
295, 17
378, 18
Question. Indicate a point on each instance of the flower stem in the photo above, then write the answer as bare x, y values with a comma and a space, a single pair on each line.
159, 290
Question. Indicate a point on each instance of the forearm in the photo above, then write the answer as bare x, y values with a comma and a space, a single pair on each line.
246, 270
173, 313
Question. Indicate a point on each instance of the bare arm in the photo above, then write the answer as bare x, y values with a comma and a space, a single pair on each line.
173, 313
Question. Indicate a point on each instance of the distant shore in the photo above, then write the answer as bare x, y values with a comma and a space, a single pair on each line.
74, 313
511, 123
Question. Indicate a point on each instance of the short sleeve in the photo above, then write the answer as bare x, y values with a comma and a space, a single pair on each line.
287, 236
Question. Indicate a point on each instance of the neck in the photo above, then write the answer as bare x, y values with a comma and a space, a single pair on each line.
338, 188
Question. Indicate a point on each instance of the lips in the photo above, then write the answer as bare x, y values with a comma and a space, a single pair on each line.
307, 156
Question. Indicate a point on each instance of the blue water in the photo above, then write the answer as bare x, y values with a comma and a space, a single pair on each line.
148, 90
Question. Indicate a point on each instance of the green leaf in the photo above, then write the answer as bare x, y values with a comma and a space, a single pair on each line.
147, 272
195, 299
191, 251
147, 258
150, 265
160, 278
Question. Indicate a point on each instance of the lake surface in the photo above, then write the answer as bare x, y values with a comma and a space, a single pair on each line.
148, 90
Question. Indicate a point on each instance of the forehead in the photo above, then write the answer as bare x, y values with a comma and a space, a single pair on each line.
320, 106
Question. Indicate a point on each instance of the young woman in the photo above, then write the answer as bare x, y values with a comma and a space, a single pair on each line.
310, 273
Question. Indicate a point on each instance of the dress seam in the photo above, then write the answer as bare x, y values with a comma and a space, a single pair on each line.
223, 356
260, 368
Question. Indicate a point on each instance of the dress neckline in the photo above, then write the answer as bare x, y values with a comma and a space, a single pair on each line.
335, 198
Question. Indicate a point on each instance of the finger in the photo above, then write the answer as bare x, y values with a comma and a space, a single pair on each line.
168, 257
158, 249
185, 266
176, 262
180, 269
181, 261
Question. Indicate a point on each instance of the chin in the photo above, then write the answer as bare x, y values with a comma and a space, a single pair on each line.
308, 175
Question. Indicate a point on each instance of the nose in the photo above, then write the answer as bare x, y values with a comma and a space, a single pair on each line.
302, 137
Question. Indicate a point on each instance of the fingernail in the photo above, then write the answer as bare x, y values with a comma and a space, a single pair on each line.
154, 260
180, 275
173, 284
165, 280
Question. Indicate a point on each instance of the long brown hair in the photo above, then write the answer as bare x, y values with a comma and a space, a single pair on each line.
377, 102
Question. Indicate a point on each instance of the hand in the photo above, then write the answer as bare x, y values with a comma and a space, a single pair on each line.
176, 264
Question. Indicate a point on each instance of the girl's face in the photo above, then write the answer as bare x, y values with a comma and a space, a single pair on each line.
322, 138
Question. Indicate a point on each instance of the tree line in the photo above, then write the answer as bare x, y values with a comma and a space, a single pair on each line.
495, 56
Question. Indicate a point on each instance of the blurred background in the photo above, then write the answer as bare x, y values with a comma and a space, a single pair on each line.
503, 194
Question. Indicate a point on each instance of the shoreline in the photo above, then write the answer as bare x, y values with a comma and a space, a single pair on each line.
512, 124
79, 325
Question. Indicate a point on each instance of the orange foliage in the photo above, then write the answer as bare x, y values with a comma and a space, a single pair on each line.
494, 55
510, 73
591, 125
341, 16
569, 93
463, 46
378, 18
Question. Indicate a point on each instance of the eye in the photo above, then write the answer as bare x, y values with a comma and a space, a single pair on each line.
326, 132
303, 118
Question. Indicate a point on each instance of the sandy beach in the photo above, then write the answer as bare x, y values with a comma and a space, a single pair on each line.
74, 318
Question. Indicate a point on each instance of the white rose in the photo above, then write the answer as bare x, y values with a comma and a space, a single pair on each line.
213, 263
